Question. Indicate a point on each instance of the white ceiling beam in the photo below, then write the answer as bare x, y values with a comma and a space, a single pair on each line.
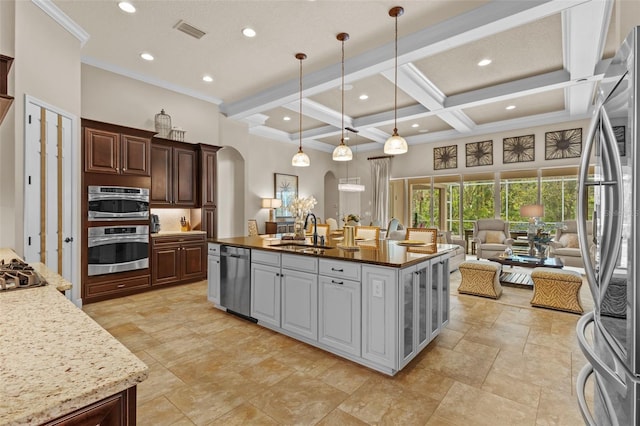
319, 112
584, 32
491, 18
256, 120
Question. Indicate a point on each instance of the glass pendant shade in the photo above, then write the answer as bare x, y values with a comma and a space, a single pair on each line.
300, 159
342, 153
350, 187
395, 145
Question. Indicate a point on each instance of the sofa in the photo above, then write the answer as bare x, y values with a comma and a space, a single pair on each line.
565, 244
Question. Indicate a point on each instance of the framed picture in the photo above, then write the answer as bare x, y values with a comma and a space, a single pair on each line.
563, 144
519, 149
285, 188
619, 131
479, 153
445, 157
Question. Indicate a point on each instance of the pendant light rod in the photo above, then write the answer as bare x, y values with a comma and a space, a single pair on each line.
300, 159
396, 144
342, 152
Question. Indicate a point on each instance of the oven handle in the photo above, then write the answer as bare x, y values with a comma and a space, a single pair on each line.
102, 197
103, 241
97, 214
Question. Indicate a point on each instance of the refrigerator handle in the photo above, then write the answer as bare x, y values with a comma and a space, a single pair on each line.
591, 356
581, 384
614, 197
583, 185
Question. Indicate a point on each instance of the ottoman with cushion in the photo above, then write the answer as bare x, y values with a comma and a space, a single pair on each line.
557, 289
480, 278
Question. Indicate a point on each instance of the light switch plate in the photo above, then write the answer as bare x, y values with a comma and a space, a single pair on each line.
377, 289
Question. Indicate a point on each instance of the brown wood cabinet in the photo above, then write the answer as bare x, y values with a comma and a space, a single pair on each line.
178, 258
116, 410
208, 175
174, 169
115, 149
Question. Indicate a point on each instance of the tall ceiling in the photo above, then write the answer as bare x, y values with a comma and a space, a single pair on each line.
547, 59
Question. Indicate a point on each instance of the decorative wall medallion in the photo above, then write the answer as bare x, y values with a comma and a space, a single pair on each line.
563, 144
618, 131
445, 157
518, 149
479, 153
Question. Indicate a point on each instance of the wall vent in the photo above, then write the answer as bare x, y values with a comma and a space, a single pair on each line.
189, 29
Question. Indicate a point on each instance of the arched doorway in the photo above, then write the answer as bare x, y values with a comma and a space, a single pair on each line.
231, 185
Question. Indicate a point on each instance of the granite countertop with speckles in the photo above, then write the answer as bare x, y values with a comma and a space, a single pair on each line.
54, 358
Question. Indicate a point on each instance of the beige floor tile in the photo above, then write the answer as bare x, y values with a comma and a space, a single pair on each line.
158, 412
464, 367
541, 371
467, 405
558, 408
205, 402
478, 349
268, 372
347, 376
339, 418
424, 381
244, 414
506, 386
497, 337
381, 401
449, 338
159, 382
299, 399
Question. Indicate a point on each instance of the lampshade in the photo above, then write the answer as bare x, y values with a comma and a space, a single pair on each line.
271, 203
300, 159
532, 210
350, 187
342, 152
395, 145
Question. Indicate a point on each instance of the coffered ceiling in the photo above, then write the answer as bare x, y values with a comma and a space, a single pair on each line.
547, 59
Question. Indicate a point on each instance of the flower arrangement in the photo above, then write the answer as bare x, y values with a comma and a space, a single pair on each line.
351, 217
299, 207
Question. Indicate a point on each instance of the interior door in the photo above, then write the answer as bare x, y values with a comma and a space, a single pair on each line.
50, 203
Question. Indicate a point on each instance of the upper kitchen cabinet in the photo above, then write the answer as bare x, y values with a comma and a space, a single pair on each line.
174, 169
113, 149
208, 160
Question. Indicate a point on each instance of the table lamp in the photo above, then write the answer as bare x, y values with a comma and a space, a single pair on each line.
534, 212
271, 204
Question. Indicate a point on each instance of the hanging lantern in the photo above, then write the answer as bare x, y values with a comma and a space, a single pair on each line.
163, 124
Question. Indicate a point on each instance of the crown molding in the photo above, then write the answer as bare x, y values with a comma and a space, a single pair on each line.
63, 20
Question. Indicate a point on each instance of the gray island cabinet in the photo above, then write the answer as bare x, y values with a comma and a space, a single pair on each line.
380, 313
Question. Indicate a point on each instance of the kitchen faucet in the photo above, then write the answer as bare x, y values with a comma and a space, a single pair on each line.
315, 227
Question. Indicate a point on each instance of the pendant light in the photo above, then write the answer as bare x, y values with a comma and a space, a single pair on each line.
300, 159
396, 143
342, 151
350, 187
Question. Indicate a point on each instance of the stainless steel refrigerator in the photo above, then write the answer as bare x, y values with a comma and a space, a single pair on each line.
608, 335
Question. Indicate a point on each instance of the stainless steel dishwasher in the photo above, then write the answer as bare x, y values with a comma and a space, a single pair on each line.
235, 280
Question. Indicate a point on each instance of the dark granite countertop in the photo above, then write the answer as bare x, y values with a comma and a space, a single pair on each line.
375, 252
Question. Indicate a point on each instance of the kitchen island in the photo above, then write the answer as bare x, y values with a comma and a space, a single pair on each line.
58, 365
378, 305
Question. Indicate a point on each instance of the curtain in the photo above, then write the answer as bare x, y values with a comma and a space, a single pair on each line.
380, 190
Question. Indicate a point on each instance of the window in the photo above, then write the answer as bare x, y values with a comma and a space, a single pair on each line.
477, 198
517, 189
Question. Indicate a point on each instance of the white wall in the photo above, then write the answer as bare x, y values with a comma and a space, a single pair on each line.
47, 67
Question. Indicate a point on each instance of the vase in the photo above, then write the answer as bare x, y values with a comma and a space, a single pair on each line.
298, 228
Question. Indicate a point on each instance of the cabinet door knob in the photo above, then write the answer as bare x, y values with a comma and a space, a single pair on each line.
337, 270
120, 285
337, 282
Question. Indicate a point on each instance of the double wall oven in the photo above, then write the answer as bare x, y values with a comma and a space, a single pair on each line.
117, 247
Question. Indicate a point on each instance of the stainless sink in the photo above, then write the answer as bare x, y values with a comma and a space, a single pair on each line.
302, 248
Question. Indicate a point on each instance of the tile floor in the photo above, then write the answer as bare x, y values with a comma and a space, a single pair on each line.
497, 363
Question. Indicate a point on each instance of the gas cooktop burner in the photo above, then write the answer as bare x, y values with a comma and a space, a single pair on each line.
17, 274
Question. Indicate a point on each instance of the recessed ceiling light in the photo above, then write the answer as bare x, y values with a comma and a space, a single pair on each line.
510, 107
364, 97
484, 62
125, 6
248, 32
146, 56
346, 138
414, 125
207, 78
286, 118
423, 130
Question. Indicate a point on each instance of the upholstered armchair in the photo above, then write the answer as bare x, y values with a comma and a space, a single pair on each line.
566, 246
491, 237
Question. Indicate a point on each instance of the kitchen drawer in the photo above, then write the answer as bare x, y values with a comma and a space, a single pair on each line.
114, 286
300, 263
340, 269
265, 257
159, 241
214, 249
